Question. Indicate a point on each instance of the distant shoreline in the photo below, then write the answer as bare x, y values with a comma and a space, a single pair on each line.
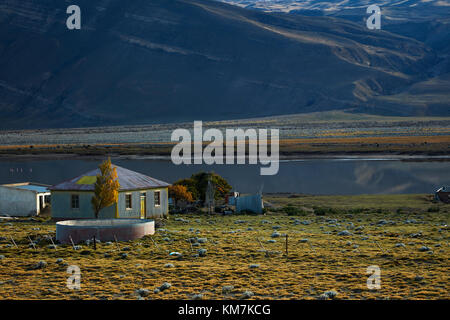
351, 156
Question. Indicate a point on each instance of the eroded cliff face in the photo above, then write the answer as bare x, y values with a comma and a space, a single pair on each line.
166, 61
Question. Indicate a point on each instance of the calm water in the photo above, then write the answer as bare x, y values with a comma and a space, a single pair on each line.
323, 176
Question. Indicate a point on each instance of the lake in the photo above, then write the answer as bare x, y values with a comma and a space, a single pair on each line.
309, 176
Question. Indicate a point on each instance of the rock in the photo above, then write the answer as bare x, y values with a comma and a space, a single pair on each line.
304, 240
399, 245
382, 222
247, 295
77, 247
306, 222
415, 235
202, 252
2, 257
331, 294
254, 266
349, 243
344, 233
359, 228
123, 255
165, 286
202, 240
175, 254
143, 292
355, 246
109, 243
276, 227
156, 290
265, 221
424, 248
40, 265
107, 255
227, 289
249, 229
275, 235
168, 265
196, 244
59, 260
271, 241
126, 249
418, 278
197, 296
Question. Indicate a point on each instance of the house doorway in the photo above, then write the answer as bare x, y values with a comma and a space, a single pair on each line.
143, 204
41, 203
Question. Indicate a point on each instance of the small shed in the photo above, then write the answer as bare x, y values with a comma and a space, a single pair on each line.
140, 197
443, 194
23, 199
253, 203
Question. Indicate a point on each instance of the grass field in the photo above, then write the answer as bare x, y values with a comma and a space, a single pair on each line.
243, 254
317, 134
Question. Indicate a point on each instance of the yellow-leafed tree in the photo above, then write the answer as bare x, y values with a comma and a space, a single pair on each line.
106, 191
180, 193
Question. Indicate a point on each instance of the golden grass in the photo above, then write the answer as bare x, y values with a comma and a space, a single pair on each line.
325, 262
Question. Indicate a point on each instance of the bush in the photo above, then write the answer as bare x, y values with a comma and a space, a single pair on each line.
321, 211
433, 209
290, 210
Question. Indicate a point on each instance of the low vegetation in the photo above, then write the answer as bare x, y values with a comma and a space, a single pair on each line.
196, 256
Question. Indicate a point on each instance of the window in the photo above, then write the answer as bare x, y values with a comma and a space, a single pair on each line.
128, 204
75, 201
157, 198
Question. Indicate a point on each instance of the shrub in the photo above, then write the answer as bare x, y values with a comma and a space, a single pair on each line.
433, 209
290, 210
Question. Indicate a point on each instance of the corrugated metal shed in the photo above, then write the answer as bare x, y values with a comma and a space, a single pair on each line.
129, 180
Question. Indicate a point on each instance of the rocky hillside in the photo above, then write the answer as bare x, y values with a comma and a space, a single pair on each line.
154, 61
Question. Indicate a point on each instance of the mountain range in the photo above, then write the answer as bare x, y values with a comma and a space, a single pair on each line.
142, 61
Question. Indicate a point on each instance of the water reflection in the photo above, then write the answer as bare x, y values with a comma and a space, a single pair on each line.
324, 176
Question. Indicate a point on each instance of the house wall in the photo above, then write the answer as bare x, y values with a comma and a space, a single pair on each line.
18, 202
61, 205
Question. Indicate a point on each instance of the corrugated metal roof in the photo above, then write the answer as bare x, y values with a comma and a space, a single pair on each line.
129, 180
35, 187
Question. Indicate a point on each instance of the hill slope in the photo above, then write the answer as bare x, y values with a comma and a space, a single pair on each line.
150, 61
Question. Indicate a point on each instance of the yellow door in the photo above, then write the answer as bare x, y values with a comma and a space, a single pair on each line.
143, 205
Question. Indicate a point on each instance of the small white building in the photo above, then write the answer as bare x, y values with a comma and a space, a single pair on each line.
23, 199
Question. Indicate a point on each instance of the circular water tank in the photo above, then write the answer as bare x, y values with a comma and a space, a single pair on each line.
103, 229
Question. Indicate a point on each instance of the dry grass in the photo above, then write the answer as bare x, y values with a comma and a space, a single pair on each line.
325, 262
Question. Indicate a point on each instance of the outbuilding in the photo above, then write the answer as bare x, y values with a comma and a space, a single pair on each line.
23, 199
443, 194
140, 196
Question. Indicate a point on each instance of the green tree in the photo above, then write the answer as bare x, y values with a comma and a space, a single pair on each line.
106, 189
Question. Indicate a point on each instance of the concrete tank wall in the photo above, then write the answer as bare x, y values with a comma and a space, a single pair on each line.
103, 230
18, 202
